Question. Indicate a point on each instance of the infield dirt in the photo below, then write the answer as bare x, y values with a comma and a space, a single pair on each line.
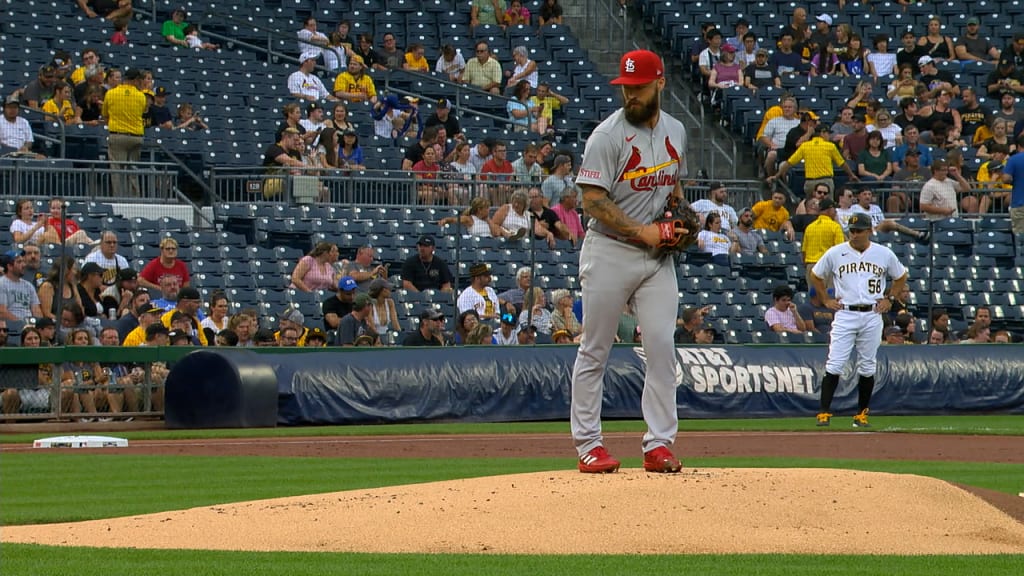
714, 510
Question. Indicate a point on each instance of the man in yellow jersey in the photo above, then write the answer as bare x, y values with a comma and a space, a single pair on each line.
188, 304
124, 107
822, 234
89, 56
772, 215
148, 314
354, 84
818, 154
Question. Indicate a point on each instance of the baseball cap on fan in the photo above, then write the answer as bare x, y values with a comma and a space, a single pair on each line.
639, 67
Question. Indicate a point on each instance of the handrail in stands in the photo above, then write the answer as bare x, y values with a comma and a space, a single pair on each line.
277, 34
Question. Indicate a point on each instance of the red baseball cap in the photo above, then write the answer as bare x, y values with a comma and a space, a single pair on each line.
639, 67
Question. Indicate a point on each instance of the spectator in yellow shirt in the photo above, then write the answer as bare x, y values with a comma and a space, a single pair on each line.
60, 105
772, 215
548, 101
89, 56
990, 177
822, 234
818, 155
415, 60
354, 84
148, 314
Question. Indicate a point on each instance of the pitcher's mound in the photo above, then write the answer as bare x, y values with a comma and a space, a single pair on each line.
810, 511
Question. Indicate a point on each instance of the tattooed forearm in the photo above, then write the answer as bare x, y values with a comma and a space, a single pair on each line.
598, 205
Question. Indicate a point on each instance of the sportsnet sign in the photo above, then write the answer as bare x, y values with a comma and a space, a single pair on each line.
713, 370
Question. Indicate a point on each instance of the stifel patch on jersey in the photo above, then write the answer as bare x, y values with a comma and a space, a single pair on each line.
588, 173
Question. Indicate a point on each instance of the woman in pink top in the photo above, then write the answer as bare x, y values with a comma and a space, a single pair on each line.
315, 271
725, 74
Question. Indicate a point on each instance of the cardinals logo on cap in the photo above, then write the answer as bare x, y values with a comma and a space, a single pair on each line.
639, 67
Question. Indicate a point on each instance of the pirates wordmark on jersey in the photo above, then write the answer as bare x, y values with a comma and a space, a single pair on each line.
860, 268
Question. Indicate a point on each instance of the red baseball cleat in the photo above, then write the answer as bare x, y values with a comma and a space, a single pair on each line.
661, 460
598, 461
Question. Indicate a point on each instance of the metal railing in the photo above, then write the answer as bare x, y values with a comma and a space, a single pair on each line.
90, 178
604, 19
52, 401
389, 79
59, 141
358, 187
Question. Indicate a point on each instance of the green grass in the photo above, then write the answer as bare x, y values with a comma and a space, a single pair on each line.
121, 485
1003, 424
28, 560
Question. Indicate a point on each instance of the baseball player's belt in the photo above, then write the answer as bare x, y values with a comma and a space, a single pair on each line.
860, 308
632, 241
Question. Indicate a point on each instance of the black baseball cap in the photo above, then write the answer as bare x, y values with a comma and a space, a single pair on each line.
860, 221
425, 240
45, 323
431, 314
189, 293
264, 335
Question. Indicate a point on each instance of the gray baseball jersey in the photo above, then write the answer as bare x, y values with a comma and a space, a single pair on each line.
639, 167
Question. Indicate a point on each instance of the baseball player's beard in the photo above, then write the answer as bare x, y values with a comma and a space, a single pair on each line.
644, 112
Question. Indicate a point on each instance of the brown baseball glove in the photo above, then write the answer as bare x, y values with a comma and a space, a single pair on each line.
678, 229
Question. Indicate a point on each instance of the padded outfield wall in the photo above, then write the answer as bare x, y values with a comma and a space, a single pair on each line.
491, 384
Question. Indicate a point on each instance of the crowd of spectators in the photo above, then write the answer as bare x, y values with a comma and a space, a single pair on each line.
103, 301
918, 99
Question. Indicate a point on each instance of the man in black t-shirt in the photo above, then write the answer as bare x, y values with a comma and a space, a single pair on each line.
338, 306
934, 79
799, 134
414, 153
286, 151
429, 332
158, 114
552, 226
910, 116
424, 270
760, 74
910, 52
443, 116
972, 114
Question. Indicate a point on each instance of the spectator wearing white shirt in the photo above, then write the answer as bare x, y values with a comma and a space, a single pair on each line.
879, 222
479, 295
15, 132
305, 85
107, 258
715, 203
481, 153
712, 241
311, 41
450, 62
314, 120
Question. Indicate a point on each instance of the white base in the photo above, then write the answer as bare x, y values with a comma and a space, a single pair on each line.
81, 442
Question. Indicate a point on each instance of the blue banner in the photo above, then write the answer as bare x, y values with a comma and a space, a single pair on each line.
520, 383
